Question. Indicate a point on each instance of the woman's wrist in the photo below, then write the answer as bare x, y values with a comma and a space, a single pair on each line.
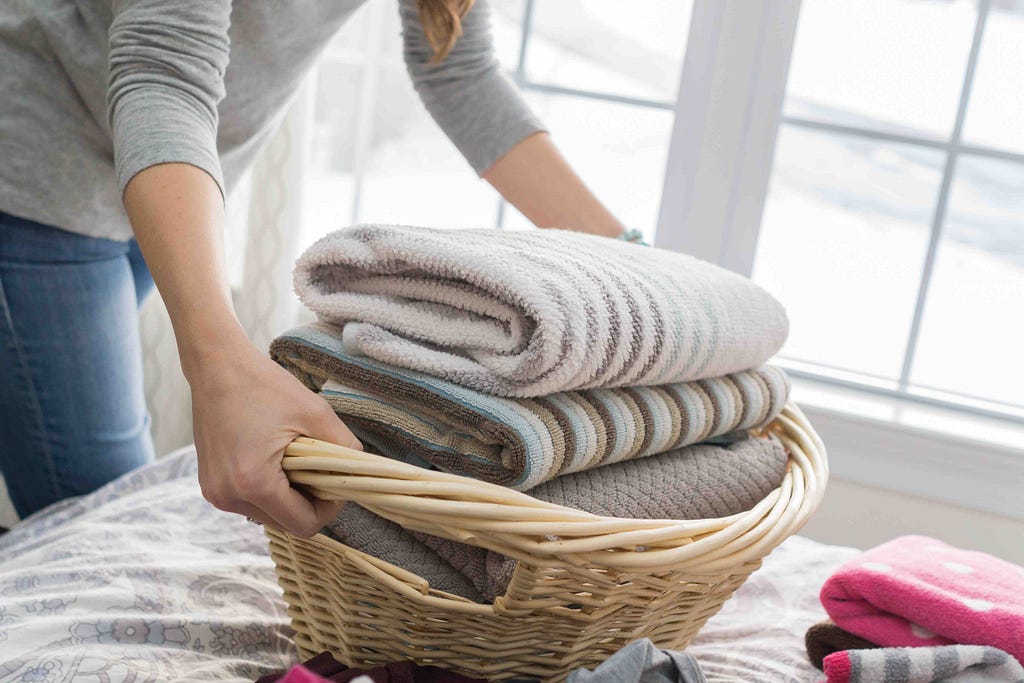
632, 235
206, 347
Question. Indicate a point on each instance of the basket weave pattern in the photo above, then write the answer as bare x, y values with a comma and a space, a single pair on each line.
584, 587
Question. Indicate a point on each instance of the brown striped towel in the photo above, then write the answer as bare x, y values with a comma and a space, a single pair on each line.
531, 313
519, 442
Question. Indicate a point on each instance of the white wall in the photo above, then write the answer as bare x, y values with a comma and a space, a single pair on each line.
864, 516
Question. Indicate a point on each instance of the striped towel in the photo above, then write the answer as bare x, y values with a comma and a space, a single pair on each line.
519, 442
966, 663
531, 313
696, 482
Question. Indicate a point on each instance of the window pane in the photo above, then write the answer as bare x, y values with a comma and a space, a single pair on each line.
410, 172
631, 49
414, 174
507, 29
972, 332
996, 110
618, 149
891, 65
842, 245
330, 182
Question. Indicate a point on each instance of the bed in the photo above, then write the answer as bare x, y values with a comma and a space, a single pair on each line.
143, 580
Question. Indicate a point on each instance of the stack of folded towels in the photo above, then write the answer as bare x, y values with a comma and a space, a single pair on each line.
611, 377
916, 610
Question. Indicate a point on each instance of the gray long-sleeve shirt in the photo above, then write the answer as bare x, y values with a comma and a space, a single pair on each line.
94, 91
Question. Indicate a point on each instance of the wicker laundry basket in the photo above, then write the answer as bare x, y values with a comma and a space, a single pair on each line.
584, 586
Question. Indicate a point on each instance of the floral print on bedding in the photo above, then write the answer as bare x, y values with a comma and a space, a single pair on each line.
142, 580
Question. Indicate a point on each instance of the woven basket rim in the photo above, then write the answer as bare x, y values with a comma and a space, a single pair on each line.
540, 533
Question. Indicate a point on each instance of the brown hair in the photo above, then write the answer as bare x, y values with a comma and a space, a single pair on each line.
442, 22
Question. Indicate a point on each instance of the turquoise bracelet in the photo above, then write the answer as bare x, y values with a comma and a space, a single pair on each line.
632, 235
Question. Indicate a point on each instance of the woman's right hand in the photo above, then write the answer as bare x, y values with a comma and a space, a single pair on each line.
246, 409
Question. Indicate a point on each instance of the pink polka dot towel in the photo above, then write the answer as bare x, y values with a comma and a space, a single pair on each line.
917, 591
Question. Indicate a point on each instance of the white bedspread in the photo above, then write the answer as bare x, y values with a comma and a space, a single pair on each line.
145, 581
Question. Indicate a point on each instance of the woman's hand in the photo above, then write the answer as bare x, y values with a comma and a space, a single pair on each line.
246, 409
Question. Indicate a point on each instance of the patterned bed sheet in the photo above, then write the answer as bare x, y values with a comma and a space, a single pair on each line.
143, 580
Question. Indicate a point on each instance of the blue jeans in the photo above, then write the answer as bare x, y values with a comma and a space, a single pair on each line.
72, 408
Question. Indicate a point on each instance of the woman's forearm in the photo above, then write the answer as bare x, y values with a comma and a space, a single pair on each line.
177, 215
245, 407
535, 178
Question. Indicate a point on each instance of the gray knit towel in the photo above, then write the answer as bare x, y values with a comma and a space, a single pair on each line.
530, 313
960, 663
695, 482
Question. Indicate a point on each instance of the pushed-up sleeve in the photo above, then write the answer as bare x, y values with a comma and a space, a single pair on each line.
467, 93
166, 77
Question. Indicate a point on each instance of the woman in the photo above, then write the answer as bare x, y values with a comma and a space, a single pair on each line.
121, 125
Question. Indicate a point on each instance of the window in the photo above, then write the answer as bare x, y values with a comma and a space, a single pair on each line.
601, 78
893, 228
892, 194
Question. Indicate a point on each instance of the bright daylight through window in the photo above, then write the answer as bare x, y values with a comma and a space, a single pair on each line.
892, 222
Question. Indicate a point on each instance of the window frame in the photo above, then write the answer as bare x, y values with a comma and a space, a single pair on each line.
719, 167
872, 437
728, 112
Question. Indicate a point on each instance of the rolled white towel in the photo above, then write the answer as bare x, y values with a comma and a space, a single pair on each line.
530, 313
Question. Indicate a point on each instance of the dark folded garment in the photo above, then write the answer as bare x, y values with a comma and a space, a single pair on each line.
825, 637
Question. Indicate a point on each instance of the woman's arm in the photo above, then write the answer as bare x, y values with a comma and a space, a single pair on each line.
245, 407
536, 179
167, 64
481, 111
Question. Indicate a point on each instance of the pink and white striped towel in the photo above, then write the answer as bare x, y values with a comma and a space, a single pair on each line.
917, 591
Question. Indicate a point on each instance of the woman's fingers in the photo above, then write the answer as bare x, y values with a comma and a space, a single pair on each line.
293, 511
323, 424
240, 442
282, 508
254, 514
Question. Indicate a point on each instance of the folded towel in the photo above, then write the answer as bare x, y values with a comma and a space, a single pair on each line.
825, 637
529, 313
974, 663
518, 442
696, 482
359, 528
916, 591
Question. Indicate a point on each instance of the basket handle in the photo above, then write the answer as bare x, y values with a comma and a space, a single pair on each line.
520, 526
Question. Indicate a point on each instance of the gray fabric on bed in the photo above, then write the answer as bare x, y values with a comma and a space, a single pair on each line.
642, 662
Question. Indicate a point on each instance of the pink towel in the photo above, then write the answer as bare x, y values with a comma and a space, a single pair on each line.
300, 674
915, 591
